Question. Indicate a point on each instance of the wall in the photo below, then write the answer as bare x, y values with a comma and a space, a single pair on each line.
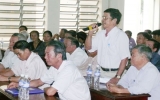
53, 15
118, 4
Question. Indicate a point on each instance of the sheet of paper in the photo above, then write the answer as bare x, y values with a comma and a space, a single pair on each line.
3, 87
104, 80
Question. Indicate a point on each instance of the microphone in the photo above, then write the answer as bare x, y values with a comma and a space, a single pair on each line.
88, 28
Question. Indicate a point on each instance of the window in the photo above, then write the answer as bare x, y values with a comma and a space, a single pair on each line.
142, 17
77, 14
14, 13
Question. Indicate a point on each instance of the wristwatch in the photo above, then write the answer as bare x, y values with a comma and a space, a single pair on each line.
9, 79
118, 76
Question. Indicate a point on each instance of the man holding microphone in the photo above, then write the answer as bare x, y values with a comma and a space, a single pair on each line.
112, 45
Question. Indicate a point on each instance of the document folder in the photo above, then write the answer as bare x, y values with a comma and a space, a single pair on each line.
15, 91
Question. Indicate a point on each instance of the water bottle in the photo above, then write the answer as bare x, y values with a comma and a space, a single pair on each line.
21, 81
25, 89
96, 77
89, 74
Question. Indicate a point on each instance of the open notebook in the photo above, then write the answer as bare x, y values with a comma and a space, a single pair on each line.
15, 91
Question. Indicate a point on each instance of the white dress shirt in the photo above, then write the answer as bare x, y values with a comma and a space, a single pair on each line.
145, 80
9, 59
111, 49
78, 57
34, 67
70, 84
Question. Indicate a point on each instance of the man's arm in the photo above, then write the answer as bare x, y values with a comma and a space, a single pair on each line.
50, 91
36, 83
88, 41
7, 72
117, 89
1, 67
10, 79
33, 83
122, 66
120, 71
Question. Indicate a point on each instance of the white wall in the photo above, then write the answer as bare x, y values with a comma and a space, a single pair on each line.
118, 4
53, 16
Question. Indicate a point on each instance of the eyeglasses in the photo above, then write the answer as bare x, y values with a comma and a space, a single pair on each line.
106, 18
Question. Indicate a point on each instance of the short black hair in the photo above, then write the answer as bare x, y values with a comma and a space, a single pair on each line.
155, 45
22, 45
72, 33
82, 35
156, 32
148, 31
145, 34
65, 30
34, 31
129, 32
114, 13
58, 48
25, 27
74, 41
48, 32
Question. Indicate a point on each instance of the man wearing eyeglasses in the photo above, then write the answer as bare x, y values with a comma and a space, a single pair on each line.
112, 45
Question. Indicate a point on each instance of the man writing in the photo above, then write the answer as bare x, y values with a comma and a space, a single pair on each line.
112, 45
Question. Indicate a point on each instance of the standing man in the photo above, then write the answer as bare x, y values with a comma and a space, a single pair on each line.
112, 45
66, 78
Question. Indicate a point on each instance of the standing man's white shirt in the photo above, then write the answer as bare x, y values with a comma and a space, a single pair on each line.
145, 80
9, 59
78, 57
70, 84
111, 49
34, 67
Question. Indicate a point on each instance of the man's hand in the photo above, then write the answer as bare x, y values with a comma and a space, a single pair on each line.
12, 85
113, 80
94, 27
113, 88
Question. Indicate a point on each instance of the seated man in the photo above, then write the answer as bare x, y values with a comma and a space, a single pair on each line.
75, 54
10, 58
141, 77
154, 45
30, 64
66, 78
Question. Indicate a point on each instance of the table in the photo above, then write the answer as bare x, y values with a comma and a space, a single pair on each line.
102, 93
7, 96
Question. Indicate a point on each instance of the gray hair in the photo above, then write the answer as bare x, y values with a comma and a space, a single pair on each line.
20, 36
25, 33
144, 50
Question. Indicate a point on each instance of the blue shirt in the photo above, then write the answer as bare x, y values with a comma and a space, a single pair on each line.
156, 60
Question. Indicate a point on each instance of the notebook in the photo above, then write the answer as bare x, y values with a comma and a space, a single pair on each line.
15, 91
